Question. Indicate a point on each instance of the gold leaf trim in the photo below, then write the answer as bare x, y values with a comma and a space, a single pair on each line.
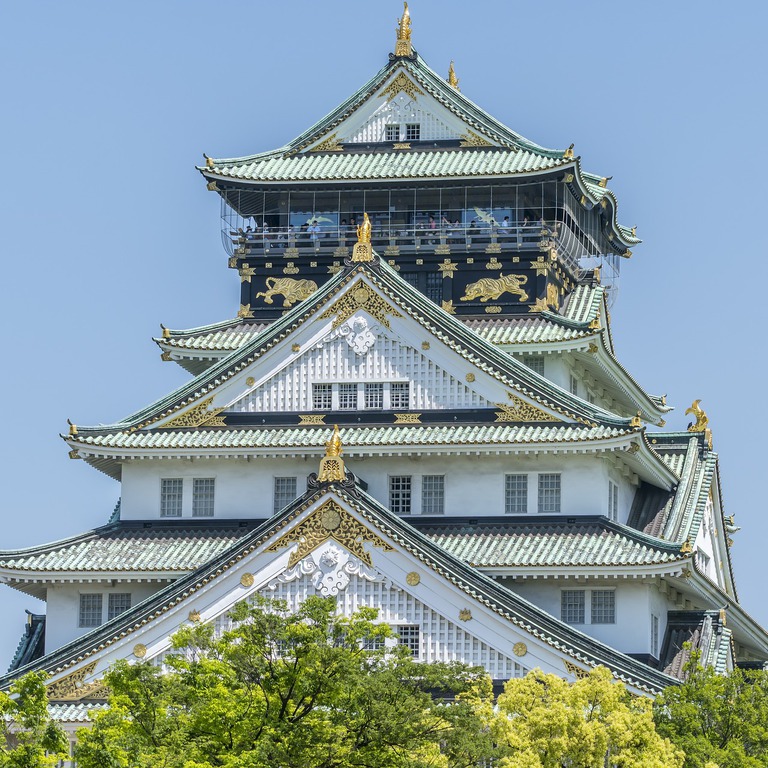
331, 144
578, 672
407, 418
360, 296
520, 410
196, 417
472, 139
330, 521
311, 418
401, 83
72, 687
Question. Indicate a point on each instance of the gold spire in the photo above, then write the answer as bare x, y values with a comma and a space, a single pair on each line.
453, 81
702, 421
363, 251
403, 45
332, 465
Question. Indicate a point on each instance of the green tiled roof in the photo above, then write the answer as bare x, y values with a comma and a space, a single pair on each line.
224, 336
122, 547
77, 712
352, 437
584, 543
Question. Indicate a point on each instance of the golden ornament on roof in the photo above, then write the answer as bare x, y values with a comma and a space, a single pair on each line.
702, 422
403, 44
332, 465
453, 81
363, 250
364, 230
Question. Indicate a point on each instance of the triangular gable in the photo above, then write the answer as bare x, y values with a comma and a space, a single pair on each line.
342, 543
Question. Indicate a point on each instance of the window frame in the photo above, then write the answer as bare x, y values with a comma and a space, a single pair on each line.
400, 499
392, 132
554, 493
168, 497
409, 635
577, 605
433, 499
202, 500
413, 132
115, 610
613, 500
95, 611
276, 480
509, 496
606, 613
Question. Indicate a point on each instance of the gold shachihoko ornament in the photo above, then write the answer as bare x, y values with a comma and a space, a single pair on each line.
332, 465
362, 250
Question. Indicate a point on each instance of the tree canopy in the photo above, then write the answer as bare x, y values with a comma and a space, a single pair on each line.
294, 690
30, 739
720, 721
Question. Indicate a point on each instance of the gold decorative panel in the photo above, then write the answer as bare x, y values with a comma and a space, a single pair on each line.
330, 521
472, 139
519, 649
360, 296
401, 83
197, 416
407, 418
520, 410
247, 580
330, 144
413, 579
73, 688
578, 672
311, 418
139, 650
492, 288
292, 290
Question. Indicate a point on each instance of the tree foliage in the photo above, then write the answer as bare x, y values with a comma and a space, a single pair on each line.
542, 721
296, 690
720, 721
30, 739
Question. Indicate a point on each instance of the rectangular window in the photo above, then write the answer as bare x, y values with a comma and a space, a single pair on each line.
654, 636
515, 494
171, 494
374, 396
373, 643
347, 397
322, 397
118, 603
285, 492
603, 606
535, 363
392, 132
400, 494
412, 131
613, 500
574, 385
549, 493
411, 277
90, 610
409, 636
434, 287
202, 496
572, 606
433, 495
400, 395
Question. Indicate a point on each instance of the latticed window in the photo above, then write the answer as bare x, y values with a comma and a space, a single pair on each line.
374, 395
515, 494
574, 385
572, 606
549, 493
654, 635
412, 131
434, 287
285, 492
603, 606
347, 397
613, 500
203, 489
411, 277
535, 363
392, 132
400, 394
118, 603
409, 635
400, 494
372, 643
171, 495
90, 610
433, 495
322, 397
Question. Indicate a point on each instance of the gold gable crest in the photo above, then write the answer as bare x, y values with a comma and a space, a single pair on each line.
360, 296
198, 416
520, 410
330, 521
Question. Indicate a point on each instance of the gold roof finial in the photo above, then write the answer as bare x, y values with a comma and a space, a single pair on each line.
166, 332
209, 161
453, 81
702, 421
636, 421
332, 465
72, 428
363, 250
568, 154
403, 45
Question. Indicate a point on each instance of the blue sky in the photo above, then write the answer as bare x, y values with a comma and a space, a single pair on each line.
107, 229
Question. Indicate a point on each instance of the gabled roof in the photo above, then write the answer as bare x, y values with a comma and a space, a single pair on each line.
32, 643
477, 588
490, 149
704, 632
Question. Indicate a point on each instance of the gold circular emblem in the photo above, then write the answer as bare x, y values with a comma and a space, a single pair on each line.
465, 614
194, 616
470, 377
361, 295
413, 578
250, 381
296, 348
519, 649
425, 345
140, 650
247, 579
330, 520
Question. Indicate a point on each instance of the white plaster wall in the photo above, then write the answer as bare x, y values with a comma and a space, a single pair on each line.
474, 485
635, 601
63, 607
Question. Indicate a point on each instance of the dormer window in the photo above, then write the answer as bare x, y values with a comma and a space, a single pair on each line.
392, 132
412, 132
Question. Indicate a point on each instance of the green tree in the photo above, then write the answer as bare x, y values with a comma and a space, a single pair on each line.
542, 721
307, 689
718, 720
30, 738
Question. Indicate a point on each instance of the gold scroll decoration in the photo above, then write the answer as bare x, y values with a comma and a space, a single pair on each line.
491, 288
330, 521
402, 83
360, 296
577, 672
292, 290
472, 139
519, 410
73, 688
198, 416
329, 144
